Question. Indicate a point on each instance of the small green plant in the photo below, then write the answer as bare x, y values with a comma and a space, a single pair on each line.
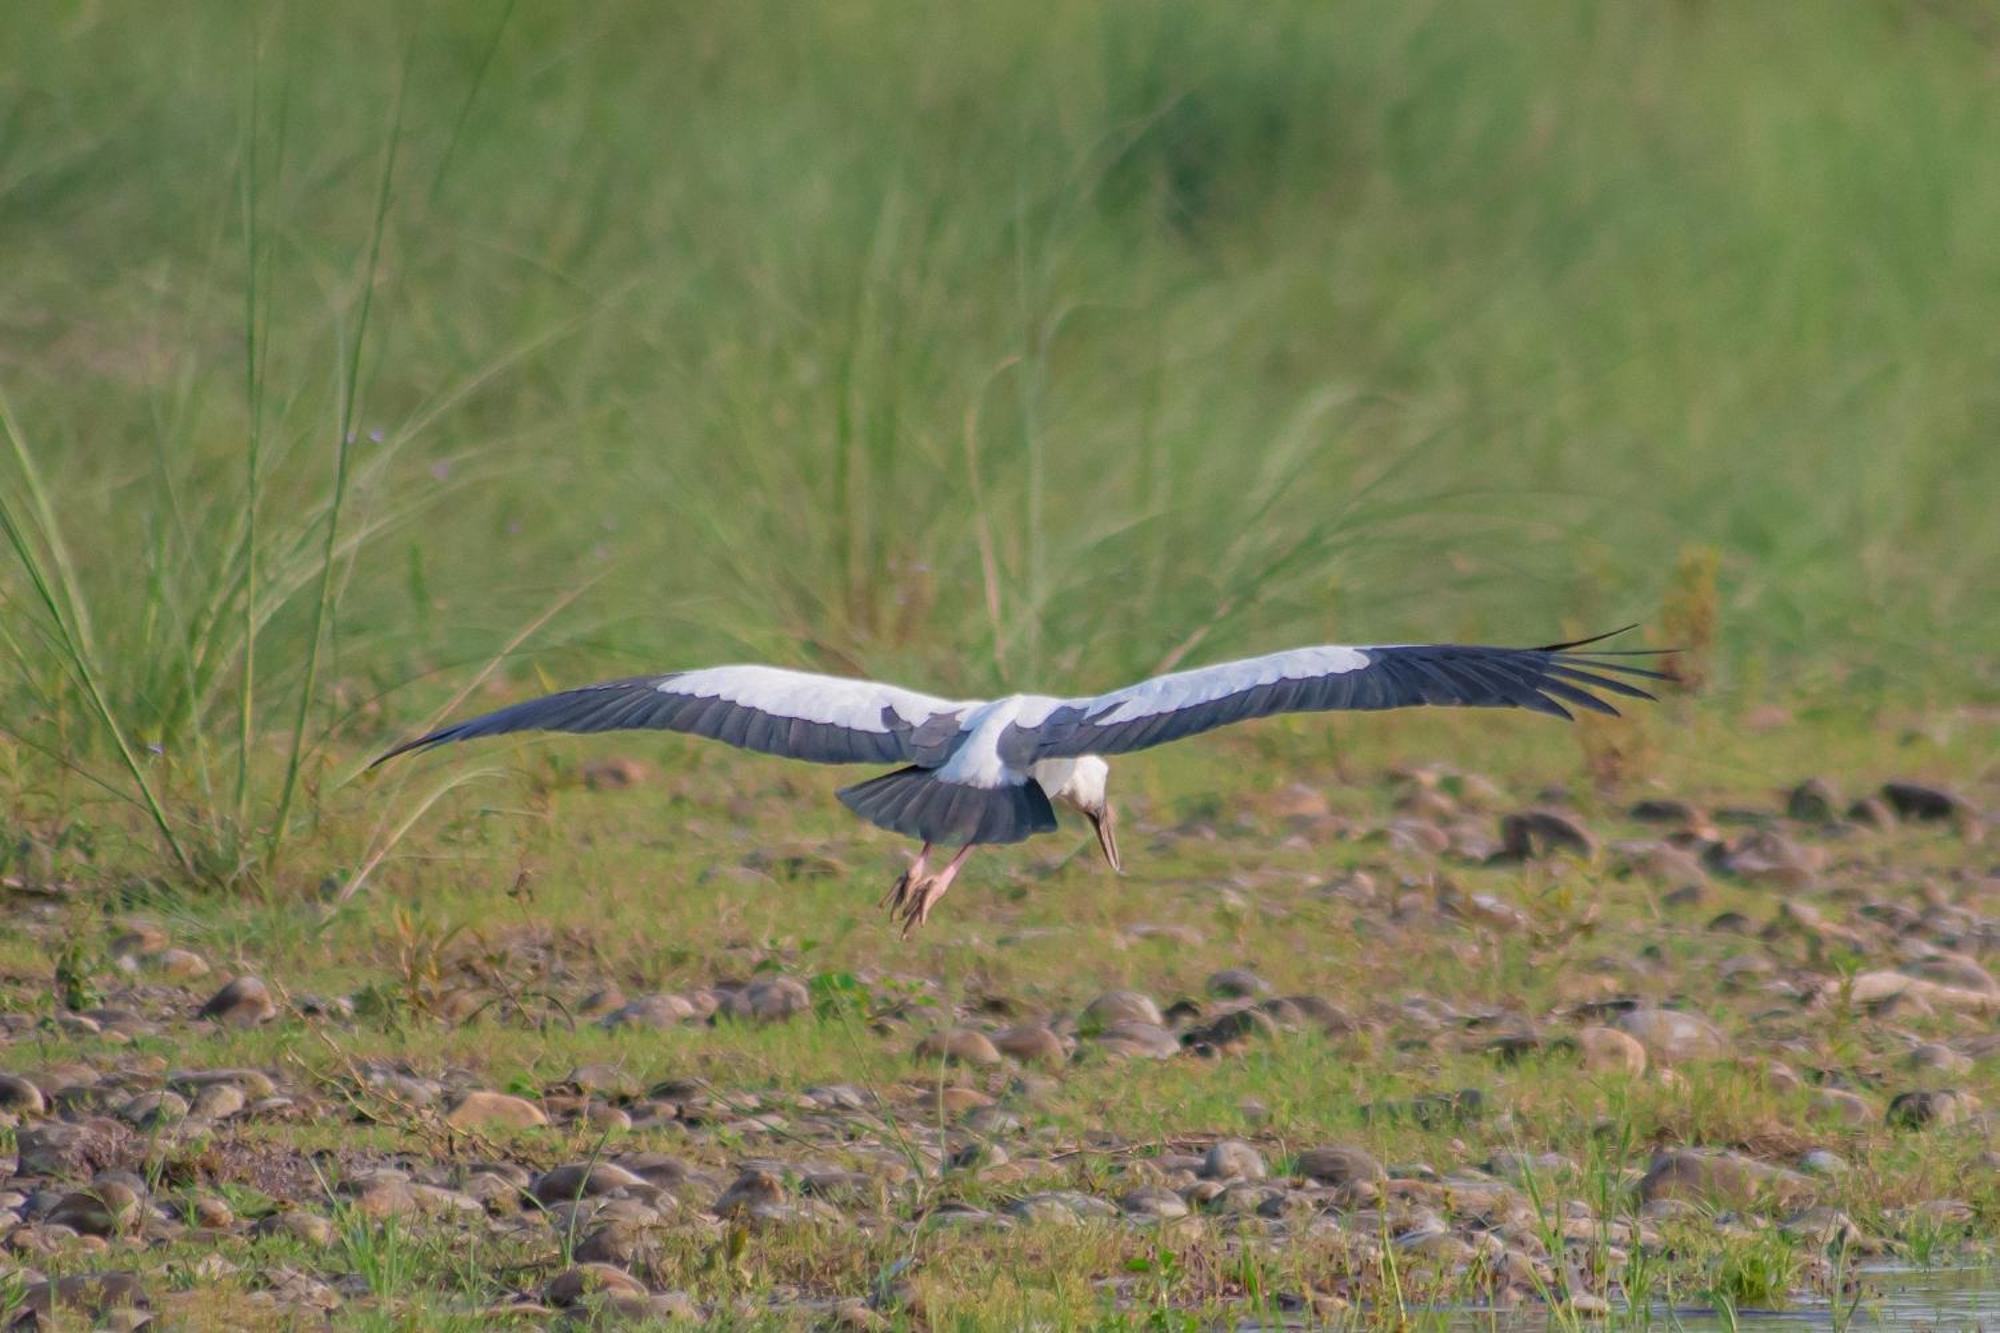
835, 993
1931, 1242
380, 1251
1761, 1272
76, 986
1161, 1269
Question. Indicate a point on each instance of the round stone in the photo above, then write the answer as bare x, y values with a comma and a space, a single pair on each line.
959, 1046
1120, 1006
1233, 1159
481, 1109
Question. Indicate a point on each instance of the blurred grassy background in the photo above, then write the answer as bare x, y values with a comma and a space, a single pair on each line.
983, 346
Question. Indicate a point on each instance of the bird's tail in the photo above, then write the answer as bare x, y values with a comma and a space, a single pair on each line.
917, 803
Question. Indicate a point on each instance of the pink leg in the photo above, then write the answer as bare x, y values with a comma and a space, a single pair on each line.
925, 893
899, 892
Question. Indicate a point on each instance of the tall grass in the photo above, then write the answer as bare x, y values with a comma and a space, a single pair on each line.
972, 346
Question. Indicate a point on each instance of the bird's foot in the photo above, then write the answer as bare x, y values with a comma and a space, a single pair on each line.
911, 898
899, 892
916, 903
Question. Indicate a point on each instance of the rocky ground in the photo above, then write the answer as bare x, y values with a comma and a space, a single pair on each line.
1672, 1050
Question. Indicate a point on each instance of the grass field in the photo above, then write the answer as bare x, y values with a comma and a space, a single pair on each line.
364, 364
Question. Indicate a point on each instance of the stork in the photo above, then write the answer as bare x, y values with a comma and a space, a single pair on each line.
979, 772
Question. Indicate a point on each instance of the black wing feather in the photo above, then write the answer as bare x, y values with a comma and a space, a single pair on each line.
1551, 679
640, 703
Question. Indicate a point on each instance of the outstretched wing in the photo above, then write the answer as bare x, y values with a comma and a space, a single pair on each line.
824, 719
1309, 680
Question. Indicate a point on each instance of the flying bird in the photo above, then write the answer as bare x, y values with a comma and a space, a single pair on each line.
977, 772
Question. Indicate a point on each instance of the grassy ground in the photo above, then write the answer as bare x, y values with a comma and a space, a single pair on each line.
482, 958
364, 365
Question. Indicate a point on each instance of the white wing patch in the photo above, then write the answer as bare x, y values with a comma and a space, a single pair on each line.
1188, 689
977, 762
829, 700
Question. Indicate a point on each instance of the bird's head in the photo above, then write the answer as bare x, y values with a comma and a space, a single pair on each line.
1085, 790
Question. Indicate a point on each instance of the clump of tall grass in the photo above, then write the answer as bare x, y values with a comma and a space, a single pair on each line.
164, 663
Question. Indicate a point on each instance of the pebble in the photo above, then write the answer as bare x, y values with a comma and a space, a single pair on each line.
98, 1295
755, 1185
650, 1011
849, 1189
1923, 802
382, 1194
1063, 1207
1718, 1176
309, 1228
1813, 802
1032, 1043
1938, 1056
606, 1118
582, 1180
179, 964
1673, 1035
767, 1000
1233, 1159
976, 1155
1417, 837
580, 1281
1153, 1203
1609, 1051
154, 1110
218, 1101
1664, 810
1311, 1010
1120, 1006
1822, 1228
1768, 856
1664, 864
1953, 969
1339, 1164
845, 1096
67, 1149
1872, 812
1878, 990
1236, 983
619, 1243
959, 1046
244, 1002
109, 1209
139, 938
1235, 1026
482, 1109
1137, 1039
1529, 834
1931, 1110
19, 1096
1846, 1107
603, 1077
1435, 1245
210, 1210
956, 1215
958, 1101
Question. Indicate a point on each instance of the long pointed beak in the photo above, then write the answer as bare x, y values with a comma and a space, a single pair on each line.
1107, 835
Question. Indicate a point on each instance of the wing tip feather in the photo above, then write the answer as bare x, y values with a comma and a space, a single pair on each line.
423, 742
